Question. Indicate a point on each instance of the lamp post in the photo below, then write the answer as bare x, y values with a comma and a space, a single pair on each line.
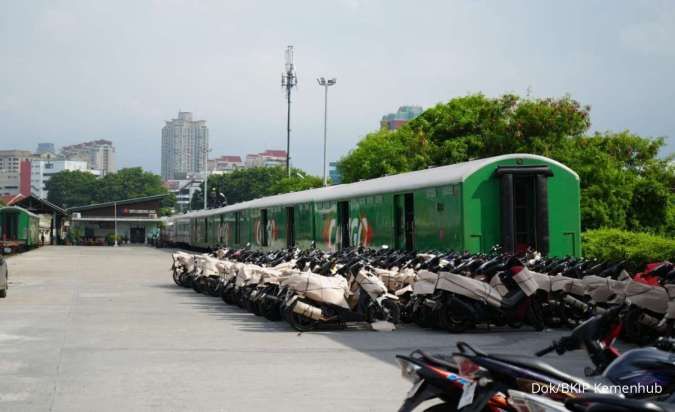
206, 177
325, 84
115, 206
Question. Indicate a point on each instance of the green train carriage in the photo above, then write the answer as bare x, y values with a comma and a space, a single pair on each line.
516, 201
19, 228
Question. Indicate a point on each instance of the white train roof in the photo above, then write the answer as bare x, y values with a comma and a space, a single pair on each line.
437, 176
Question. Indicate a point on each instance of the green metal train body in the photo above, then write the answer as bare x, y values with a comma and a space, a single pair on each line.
19, 228
516, 201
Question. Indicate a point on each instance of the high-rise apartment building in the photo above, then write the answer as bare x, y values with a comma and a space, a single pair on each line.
11, 170
184, 147
99, 154
44, 148
403, 115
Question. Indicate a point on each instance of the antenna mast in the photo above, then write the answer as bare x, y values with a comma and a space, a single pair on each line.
288, 81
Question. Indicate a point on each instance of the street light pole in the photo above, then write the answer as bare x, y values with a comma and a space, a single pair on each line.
206, 178
325, 83
115, 206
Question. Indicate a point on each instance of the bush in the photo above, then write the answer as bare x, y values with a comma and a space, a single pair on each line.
636, 247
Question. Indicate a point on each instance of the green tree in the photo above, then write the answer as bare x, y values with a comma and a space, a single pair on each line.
623, 182
75, 188
71, 188
252, 183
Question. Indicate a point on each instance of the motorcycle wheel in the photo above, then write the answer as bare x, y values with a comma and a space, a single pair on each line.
299, 322
423, 317
450, 321
534, 315
634, 331
442, 407
176, 277
269, 309
392, 310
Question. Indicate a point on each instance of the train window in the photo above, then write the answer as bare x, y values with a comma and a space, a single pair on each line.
439, 207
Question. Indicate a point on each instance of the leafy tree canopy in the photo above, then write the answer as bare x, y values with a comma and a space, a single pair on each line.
76, 188
252, 183
624, 183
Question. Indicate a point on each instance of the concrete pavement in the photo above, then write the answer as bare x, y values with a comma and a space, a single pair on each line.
103, 329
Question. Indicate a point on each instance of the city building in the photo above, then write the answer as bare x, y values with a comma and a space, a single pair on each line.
334, 173
44, 148
12, 164
403, 115
225, 164
99, 155
268, 158
132, 220
184, 147
42, 170
184, 190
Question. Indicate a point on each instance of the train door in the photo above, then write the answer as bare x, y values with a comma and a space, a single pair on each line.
343, 223
221, 230
290, 226
524, 201
263, 228
404, 221
237, 228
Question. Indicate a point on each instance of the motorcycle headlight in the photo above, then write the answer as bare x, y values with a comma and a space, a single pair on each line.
409, 370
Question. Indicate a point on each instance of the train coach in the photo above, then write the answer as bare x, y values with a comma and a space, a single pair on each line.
19, 229
518, 201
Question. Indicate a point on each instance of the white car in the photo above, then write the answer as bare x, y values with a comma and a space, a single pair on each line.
4, 282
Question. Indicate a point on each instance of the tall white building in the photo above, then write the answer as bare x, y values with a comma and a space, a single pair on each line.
99, 154
10, 170
43, 170
184, 147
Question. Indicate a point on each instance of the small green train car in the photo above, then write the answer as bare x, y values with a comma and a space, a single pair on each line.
517, 201
19, 228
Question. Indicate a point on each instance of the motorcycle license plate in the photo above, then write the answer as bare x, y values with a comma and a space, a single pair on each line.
467, 395
414, 389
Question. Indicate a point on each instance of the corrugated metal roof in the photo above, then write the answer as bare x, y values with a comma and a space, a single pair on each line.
18, 208
437, 176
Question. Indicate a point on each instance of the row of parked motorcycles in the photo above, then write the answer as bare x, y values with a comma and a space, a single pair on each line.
447, 290
457, 292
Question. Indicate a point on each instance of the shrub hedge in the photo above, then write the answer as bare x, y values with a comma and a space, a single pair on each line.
635, 247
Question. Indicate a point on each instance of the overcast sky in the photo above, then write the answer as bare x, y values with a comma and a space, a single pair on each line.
77, 70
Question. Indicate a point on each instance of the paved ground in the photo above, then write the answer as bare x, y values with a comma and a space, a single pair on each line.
94, 328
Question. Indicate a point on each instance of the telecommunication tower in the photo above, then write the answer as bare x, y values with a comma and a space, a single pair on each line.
289, 80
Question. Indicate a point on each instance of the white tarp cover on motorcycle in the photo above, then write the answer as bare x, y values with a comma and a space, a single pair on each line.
371, 283
425, 283
601, 289
395, 279
670, 289
469, 287
326, 289
247, 273
185, 260
654, 298
209, 265
526, 280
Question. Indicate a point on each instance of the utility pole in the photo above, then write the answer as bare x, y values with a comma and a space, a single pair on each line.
288, 80
206, 177
326, 84
115, 207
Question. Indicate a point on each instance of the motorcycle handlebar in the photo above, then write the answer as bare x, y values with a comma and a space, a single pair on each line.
546, 350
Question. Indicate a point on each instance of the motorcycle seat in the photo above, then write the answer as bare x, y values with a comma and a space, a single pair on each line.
538, 365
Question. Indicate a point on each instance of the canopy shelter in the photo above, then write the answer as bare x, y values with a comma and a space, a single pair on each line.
52, 217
